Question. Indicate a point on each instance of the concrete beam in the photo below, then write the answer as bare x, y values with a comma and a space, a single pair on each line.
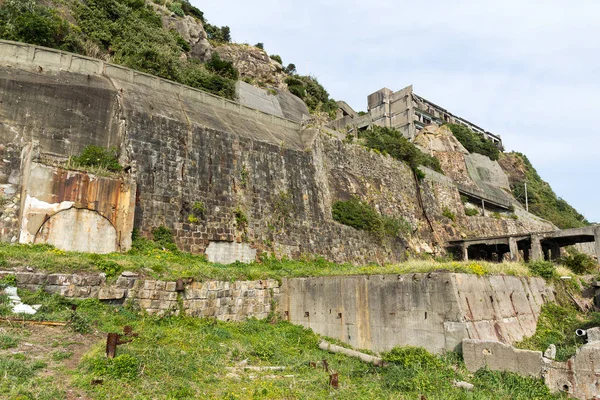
514, 249
536, 252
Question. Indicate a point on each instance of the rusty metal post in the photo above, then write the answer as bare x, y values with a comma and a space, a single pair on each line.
333, 380
179, 285
112, 340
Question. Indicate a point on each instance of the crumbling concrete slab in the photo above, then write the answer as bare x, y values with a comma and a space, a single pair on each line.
579, 376
498, 356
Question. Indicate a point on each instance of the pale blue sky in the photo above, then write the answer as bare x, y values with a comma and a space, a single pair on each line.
527, 70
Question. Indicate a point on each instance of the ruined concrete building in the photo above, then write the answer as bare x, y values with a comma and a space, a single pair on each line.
405, 111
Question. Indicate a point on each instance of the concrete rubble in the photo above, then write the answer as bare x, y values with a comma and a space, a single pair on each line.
578, 376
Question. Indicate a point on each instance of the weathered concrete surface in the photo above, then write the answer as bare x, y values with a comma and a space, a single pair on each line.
74, 209
79, 230
498, 356
229, 252
579, 376
436, 310
254, 97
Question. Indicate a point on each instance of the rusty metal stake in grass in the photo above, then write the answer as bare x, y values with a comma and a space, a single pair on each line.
112, 341
333, 380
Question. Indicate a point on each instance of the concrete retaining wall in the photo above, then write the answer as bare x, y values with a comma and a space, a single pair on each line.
436, 310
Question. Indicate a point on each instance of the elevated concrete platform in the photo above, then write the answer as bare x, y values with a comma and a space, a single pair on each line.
531, 246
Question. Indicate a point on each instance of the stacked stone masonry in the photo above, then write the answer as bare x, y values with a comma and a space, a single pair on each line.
227, 301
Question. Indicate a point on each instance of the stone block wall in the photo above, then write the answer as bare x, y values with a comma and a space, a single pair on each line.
226, 301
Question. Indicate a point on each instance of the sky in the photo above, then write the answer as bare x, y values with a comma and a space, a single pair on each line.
527, 70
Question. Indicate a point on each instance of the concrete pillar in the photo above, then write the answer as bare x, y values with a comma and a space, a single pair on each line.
536, 253
554, 251
597, 242
514, 249
465, 252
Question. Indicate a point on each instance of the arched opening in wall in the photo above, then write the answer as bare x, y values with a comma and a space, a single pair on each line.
79, 230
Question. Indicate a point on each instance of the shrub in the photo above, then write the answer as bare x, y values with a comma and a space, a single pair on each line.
578, 262
545, 269
474, 142
471, 212
163, 237
221, 67
412, 357
392, 142
110, 268
176, 9
311, 91
362, 216
96, 156
277, 58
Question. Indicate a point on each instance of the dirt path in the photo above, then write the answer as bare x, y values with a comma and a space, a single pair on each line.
58, 348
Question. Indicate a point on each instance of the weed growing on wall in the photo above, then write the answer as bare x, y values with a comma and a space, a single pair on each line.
471, 212
446, 212
98, 157
362, 216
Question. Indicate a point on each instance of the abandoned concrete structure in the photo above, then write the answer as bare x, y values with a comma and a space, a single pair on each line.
534, 246
406, 111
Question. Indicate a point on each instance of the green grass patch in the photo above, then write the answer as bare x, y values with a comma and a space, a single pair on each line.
184, 357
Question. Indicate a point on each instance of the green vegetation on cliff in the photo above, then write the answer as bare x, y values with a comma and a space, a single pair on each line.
362, 216
312, 93
543, 202
392, 142
474, 142
126, 32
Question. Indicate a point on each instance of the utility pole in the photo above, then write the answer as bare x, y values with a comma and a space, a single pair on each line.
526, 199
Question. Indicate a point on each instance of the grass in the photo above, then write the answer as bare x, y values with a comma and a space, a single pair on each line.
184, 357
557, 324
172, 264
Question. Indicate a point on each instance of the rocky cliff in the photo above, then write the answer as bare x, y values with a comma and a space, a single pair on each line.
263, 182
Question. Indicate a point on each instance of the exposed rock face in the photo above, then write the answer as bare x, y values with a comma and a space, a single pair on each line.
192, 32
185, 146
254, 63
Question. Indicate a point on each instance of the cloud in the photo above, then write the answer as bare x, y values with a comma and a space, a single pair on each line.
524, 69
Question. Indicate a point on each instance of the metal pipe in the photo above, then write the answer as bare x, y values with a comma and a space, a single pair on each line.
581, 332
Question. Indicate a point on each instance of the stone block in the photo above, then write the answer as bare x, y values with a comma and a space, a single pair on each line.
111, 293
171, 286
149, 285
60, 279
160, 285
498, 356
